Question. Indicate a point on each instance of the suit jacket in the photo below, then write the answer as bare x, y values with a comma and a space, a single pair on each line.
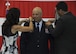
64, 34
34, 42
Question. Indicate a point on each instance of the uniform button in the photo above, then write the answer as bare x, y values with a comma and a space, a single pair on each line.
38, 46
37, 40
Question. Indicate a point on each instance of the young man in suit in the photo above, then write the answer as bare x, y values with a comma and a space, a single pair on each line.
36, 41
64, 32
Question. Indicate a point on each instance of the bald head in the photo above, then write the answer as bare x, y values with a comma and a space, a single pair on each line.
37, 9
37, 14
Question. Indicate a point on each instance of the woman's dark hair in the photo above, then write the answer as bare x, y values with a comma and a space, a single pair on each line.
12, 18
62, 5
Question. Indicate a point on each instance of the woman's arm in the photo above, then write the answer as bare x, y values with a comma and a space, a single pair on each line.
22, 21
29, 28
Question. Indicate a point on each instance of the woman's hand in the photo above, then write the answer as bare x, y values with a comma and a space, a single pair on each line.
22, 21
30, 18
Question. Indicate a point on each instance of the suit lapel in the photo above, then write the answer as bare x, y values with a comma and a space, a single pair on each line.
43, 27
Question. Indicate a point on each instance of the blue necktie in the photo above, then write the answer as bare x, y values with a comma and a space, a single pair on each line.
38, 27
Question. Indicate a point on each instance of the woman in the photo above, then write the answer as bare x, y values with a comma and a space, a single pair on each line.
10, 30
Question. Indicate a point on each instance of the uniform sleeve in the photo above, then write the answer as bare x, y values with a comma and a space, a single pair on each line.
59, 28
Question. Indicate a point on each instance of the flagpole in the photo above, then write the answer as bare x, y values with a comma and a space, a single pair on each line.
7, 4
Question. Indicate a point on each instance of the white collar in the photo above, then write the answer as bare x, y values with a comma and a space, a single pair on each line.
40, 23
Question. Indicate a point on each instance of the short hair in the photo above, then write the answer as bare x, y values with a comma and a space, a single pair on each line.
62, 5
